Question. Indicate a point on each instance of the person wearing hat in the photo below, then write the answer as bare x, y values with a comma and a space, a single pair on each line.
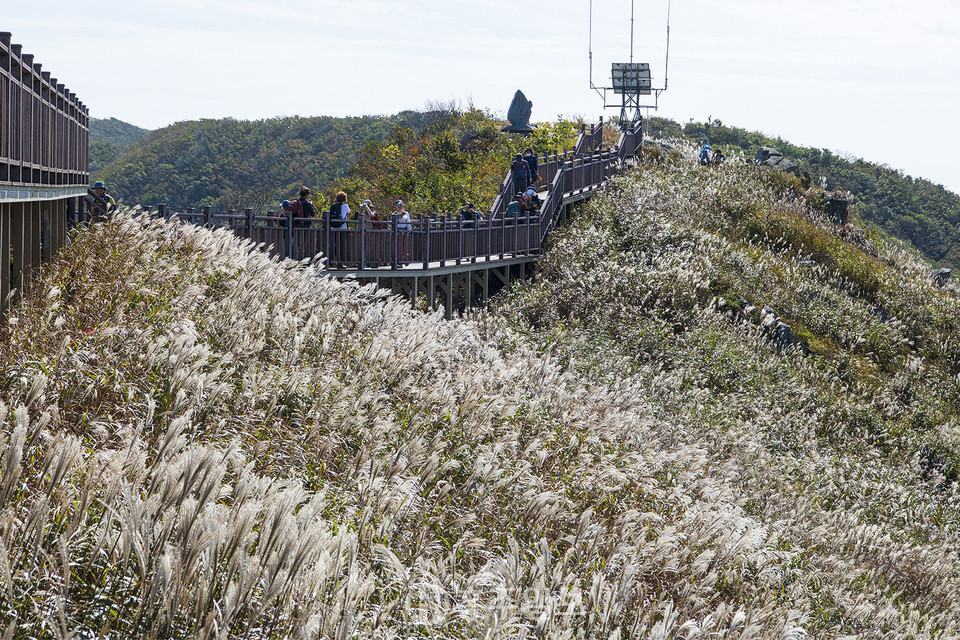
521, 173
372, 215
107, 203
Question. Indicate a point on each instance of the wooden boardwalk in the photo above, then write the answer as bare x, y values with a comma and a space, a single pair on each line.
445, 261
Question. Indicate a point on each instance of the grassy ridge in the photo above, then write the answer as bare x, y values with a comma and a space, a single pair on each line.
200, 442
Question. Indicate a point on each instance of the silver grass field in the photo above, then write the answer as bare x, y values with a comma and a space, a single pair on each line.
201, 442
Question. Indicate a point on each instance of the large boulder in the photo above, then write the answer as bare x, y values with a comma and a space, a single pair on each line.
940, 276
836, 206
773, 159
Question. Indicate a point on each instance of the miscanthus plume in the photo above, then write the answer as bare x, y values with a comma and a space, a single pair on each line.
199, 442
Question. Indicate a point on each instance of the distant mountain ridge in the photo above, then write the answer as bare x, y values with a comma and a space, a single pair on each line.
109, 139
229, 163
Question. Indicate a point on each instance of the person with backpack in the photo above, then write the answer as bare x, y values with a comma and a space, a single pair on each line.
303, 209
531, 159
521, 173
514, 209
705, 155
339, 211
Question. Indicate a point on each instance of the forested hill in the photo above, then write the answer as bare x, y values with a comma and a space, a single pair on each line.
111, 138
910, 208
236, 163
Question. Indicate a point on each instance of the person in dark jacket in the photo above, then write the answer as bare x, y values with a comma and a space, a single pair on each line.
306, 208
521, 173
531, 159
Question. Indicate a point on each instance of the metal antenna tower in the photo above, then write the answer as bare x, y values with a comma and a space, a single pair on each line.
629, 80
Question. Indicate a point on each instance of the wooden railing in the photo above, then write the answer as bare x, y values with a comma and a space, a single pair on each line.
44, 138
589, 140
430, 242
44, 128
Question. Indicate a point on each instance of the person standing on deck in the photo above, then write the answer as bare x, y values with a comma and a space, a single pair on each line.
403, 228
521, 174
531, 159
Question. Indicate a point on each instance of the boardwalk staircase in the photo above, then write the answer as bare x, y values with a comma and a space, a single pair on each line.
444, 261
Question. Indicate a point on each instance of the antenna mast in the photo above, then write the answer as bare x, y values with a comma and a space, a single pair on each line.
629, 79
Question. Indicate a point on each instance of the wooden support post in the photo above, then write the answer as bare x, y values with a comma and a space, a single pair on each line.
449, 298
5, 256
468, 290
288, 239
46, 232
18, 250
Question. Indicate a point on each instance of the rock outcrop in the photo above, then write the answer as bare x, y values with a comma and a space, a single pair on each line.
770, 157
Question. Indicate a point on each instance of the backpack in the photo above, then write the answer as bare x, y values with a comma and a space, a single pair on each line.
520, 167
334, 216
293, 207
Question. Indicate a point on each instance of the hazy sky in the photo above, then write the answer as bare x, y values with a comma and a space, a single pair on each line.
878, 80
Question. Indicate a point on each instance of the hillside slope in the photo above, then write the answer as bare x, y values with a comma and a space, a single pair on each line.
199, 442
235, 164
909, 208
109, 139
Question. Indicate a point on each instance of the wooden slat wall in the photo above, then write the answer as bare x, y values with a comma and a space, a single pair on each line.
44, 145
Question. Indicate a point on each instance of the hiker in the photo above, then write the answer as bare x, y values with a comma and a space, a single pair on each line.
514, 209
533, 195
718, 157
531, 159
376, 222
339, 211
107, 203
521, 173
468, 215
403, 227
529, 206
306, 210
705, 154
